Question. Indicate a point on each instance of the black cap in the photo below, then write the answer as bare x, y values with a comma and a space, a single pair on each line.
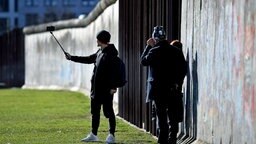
103, 36
158, 33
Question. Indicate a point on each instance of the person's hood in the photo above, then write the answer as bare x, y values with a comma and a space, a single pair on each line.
110, 49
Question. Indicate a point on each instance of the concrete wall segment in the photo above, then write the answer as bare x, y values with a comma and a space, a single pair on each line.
222, 43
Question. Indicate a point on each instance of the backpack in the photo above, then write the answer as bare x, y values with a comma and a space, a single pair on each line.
120, 72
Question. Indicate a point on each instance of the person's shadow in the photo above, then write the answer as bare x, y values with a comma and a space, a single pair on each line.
188, 129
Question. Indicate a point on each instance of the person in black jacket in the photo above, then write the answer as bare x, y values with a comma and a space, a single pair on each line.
103, 84
166, 71
179, 45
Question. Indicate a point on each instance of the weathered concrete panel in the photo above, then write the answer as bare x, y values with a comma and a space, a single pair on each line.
219, 41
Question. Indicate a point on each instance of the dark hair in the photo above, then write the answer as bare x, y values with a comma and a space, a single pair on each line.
103, 36
177, 44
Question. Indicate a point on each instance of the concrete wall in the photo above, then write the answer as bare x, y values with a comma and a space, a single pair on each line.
220, 44
46, 65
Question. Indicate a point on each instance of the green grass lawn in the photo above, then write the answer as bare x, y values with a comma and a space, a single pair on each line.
55, 117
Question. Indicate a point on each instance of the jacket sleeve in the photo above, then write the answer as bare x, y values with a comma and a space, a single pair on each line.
85, 59
146, 56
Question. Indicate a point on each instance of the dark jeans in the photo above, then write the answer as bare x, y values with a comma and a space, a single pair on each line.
166, 110
108, 112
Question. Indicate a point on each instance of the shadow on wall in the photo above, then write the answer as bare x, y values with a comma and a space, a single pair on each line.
189, 125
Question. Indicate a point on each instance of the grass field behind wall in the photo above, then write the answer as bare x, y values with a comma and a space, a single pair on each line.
55, 117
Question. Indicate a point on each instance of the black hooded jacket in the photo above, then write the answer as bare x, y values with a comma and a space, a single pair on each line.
167, 67
102, 80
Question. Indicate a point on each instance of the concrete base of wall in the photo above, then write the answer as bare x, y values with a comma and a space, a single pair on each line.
199, 142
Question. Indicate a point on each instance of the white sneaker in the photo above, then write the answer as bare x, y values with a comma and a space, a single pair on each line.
90, 138
110, 139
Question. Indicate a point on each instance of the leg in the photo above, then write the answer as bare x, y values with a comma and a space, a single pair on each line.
173, 125
153, 113
95, 111
161, 112
109, 113
154, 117
173, 130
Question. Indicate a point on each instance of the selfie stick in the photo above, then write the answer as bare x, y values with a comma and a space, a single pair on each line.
50, 29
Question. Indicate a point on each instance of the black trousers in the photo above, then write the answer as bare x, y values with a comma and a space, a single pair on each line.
108, 112
167, 114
